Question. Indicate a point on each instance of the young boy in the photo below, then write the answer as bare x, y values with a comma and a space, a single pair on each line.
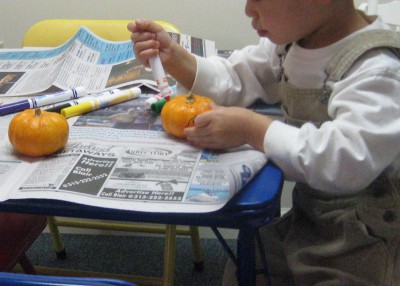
336, 72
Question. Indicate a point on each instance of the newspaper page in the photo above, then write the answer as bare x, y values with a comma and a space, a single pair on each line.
120, 157
85, 60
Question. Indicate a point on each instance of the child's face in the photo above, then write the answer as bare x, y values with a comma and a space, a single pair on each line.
283, 21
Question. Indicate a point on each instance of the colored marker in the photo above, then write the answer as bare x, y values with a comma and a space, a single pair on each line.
101, 102
157, 106
159, 97
42, 100
152, 100
57, 107
159, 75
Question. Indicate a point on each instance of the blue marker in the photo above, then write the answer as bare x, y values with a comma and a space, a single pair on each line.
42, 100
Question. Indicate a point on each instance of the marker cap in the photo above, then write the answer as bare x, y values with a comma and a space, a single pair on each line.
157, 106
80, 91
150, 101
14, 107
79, 109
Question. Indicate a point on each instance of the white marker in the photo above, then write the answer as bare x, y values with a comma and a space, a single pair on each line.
159, 75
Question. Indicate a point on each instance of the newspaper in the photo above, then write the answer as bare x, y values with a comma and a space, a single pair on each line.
85, 60
120, 157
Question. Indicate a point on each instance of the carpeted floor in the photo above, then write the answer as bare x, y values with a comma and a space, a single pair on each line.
135, 255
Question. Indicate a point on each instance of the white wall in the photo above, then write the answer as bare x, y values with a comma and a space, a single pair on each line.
222, 21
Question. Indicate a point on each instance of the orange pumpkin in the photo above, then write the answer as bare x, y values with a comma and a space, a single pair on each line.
38, 133
180, 112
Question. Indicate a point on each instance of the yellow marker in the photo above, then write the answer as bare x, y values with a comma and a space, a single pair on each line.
99, 102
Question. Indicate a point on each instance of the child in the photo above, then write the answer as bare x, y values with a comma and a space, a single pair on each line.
336, 72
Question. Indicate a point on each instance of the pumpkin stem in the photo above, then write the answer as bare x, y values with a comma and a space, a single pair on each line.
190, 98
38, 112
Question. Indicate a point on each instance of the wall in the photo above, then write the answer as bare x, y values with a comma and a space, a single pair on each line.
222, 21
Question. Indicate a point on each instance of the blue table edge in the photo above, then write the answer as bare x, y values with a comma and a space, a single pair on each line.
258, 199
18, 279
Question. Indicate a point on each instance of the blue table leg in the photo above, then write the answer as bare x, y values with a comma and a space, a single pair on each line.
246, 263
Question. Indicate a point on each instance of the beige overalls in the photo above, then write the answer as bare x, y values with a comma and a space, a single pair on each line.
328, 239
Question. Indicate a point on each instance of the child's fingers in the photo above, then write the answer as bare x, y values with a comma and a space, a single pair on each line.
142, 36
142, 25
202, 119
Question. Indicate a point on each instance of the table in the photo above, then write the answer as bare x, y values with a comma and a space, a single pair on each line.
255, 205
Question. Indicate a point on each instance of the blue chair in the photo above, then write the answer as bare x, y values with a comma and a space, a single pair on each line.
14, 279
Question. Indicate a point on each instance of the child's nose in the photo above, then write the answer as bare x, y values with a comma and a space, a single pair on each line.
249, 8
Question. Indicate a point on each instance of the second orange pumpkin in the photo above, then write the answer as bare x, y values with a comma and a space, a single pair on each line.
180, 112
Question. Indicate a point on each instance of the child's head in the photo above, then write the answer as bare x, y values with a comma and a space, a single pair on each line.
312, 23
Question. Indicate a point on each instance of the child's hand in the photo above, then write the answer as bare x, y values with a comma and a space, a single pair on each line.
149, 39
226, 127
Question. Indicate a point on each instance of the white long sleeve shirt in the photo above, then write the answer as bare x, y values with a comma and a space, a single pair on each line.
343, 155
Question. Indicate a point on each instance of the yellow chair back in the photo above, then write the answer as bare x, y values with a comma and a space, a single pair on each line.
55, 32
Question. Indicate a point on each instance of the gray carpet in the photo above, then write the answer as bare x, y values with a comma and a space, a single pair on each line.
133, 255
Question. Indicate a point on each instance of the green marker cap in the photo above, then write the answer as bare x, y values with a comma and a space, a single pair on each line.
157, 106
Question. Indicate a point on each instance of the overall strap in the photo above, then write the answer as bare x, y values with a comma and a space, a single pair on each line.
282, 50
341, 63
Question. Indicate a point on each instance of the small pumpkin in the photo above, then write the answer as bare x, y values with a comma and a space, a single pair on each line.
180, 112
35, 132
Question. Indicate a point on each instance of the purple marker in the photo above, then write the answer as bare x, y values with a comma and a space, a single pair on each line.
42, 100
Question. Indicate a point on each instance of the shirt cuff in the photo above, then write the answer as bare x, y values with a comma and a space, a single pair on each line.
279, 145
205, 80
